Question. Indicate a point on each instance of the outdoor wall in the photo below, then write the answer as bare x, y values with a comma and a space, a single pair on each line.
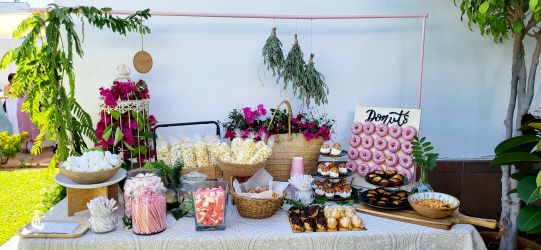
205, 67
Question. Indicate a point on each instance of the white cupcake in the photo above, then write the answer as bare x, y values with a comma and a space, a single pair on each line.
342, 169
329, 193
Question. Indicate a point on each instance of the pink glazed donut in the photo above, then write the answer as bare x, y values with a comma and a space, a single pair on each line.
357, 128
375, 168
391, 159
382, 129
367, 141
351, 165
354, 140
406, 147
405, 172
353, 154
365, 155
395, 131
363, 169
409, 133
378, 157
393, 145
380, 143
369, 128
405, 161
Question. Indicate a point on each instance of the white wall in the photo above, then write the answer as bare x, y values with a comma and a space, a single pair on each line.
203, 68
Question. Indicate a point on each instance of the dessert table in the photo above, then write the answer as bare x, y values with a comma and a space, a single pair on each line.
271, 233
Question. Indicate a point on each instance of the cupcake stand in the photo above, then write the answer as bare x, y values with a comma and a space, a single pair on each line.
79, 194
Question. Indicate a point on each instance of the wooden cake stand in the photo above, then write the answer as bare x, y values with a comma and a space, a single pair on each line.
80, 194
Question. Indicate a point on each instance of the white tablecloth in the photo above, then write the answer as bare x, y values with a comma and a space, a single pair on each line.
271, 233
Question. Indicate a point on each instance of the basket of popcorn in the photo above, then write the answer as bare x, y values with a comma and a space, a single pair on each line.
243, 158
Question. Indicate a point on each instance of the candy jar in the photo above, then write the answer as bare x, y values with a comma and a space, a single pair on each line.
210, 198
144, 195
185, 198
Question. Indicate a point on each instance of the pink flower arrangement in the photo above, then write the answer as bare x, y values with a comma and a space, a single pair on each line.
254, 122
125, 132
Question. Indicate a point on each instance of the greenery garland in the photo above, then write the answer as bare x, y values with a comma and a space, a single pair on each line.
315, 87
273, 56
43, 69
294, 68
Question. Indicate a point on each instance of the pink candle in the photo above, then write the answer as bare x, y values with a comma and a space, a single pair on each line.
297, 166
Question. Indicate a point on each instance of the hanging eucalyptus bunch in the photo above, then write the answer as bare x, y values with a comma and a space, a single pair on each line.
315, 87
294, 69
273, 56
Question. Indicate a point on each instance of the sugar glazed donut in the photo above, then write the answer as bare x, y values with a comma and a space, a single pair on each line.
382, 129
405, 172
356, 128
369, 128
365, 155
395, 131
351, 165
393, 145
409, 133
391, 159
375, 168
367, 141
405, 161
363, 169
380, 143
353, 154
378, 157
354, 141
406, 147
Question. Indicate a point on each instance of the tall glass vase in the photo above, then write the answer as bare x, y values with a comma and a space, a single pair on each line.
422, 185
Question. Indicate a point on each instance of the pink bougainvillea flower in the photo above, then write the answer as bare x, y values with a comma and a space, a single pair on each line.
230, 134
128, 136
261, 110
249, 116
152, 120
245, 133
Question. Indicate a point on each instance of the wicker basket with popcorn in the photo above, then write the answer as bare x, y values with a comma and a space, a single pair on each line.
243, 157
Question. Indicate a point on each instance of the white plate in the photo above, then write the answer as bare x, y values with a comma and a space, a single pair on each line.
67, 182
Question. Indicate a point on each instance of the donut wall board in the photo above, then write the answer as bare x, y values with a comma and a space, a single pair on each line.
381, 140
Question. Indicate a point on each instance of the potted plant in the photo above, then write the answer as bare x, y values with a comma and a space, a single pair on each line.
524, 153
426, 160
10, 145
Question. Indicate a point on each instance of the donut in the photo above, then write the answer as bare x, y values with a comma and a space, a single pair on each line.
409, 133
357, 128
393, 145
365, 155
405, 161
363, 169
378, 157
351, 165
375, 168
369, 128
382, 129
367, 141
391, 159
406, 147
395, 131
353, 154
354, 140
380, 143
405, 172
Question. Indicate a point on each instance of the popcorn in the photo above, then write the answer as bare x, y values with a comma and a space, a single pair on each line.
243, 151
92, 161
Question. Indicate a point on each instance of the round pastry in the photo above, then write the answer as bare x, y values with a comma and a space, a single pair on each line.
325, 149
393, 145
380, 191
376, 168
309, 225
353, 154
357, 128
397, 176
380, 143
346, 191
336, 213
405, 161
331, 223
390, 172
370, 195
334, 172
369, 128
365, 155
391, 168
319, 190
409, 133
395, 182
342, 169
381, 203
356, 221
379, 172
345, 223
336, 149
352, 165
349, 211
312, 211
406, 147
363, 169
329, 192
396, 203
395, 197
367, 141
382, 129
327, 211
321, 223
395, 131
354, 141
383, 182
391, 160
378, 157
402, 193
405, 172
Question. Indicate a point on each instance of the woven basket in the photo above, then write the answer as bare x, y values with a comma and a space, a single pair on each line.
287, 146
239, 170
255, 208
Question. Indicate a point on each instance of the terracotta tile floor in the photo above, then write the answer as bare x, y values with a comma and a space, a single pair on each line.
30, 160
